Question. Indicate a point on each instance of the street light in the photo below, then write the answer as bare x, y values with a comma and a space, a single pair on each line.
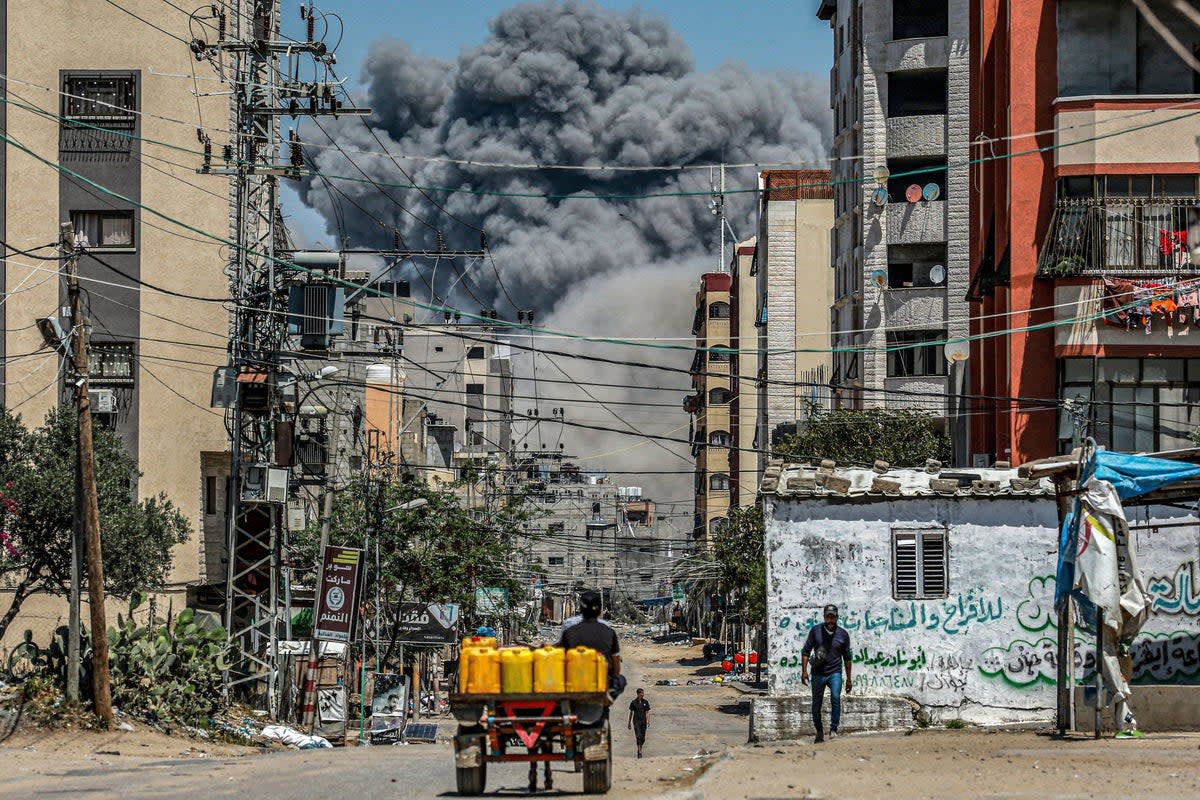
409, 506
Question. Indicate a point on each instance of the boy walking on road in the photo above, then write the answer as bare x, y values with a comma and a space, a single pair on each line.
639, 718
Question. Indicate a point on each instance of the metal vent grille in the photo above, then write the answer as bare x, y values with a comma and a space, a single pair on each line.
920, 563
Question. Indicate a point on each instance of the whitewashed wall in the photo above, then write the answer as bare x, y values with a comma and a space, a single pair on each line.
986, 653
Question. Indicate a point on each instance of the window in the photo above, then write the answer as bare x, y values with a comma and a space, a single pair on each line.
918, 19
719, 438
100, 229
915, 353
556, 561
475, 433
98, 113
920, 563
919, 171
474, 388
718, 482
110, 362
720, 356
475, 352
1129, 404
1106, 47
718, 396
210, 495
913, 94
912, 266
715, 524
718, 310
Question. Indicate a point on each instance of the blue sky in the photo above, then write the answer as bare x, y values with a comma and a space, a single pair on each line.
770, 34
765, 34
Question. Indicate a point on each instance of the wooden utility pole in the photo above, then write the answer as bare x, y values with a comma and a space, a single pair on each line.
87, 472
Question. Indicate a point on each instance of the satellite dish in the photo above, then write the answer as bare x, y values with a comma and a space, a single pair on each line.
880, 196
881, 175
880, 277
913, 193
937, 274
931, 192
957, 350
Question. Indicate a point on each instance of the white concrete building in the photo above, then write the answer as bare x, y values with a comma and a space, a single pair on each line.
899, 90
946, 586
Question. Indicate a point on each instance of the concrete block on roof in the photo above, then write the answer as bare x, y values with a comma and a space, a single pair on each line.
944, 485
985, 487
833, 483
885, 486
799, 483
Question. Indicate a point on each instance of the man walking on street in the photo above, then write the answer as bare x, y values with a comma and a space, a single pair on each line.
827, 649
639, 718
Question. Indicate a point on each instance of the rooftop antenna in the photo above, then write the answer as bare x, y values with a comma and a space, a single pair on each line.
717, 206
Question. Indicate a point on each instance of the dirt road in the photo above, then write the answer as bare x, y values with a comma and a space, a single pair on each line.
695, 750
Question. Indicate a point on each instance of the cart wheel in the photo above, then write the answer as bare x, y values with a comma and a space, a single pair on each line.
471, 780
597, 775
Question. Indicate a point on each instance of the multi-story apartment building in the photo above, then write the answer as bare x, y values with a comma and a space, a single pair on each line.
1084, 292
794, 287
447, 396
899, 91
586, 532
89, 118
762, 338
710, 404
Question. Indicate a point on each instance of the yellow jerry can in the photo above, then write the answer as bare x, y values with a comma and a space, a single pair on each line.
516, 670
587, 670
549, 670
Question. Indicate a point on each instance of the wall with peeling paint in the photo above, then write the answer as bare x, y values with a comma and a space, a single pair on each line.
986, 651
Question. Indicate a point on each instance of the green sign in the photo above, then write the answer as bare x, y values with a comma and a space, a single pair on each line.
677, 592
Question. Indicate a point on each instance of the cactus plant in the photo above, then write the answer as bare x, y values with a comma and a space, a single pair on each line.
166, 670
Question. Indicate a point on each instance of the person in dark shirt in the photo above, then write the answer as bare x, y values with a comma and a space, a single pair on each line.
639, 718
591, 632
833, 643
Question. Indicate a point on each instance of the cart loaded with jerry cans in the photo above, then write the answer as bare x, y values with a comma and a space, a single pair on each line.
516, 704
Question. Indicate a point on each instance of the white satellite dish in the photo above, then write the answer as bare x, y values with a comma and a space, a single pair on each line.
957, 350
880, 196
937, 274
881, 175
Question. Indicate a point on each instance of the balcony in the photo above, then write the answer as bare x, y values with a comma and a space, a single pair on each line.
1117, 236
922, 136
916, 223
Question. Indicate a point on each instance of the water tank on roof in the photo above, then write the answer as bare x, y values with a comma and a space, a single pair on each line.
379, 373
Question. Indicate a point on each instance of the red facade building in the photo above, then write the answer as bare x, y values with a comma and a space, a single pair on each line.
1085, 169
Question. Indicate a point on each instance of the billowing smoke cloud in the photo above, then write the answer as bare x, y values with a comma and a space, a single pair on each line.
569, 83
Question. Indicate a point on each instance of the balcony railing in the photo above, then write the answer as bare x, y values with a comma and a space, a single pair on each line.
1118, 236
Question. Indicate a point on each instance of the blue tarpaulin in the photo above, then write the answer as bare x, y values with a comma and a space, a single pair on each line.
1134, 476
1131, 476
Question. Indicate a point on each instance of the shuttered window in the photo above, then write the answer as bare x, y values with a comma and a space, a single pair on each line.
920, 563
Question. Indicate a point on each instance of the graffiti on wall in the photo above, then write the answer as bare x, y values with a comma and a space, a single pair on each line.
1157, 658
954, 616
1175, 594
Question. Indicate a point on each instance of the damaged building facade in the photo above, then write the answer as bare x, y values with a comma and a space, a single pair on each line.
946, 586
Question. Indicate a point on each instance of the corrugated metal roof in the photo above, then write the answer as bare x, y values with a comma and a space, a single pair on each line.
828, 480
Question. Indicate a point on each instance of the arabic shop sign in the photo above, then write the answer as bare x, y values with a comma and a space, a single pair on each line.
427, 623
337, 601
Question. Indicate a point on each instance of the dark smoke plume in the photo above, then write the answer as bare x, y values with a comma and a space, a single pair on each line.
570, 83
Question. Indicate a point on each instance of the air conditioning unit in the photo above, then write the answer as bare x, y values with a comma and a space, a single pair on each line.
104, 401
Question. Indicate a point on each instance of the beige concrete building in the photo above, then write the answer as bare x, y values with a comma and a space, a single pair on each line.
795, 285
103, 102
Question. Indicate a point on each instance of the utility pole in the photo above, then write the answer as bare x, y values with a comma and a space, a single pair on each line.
260, 66
90, 500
